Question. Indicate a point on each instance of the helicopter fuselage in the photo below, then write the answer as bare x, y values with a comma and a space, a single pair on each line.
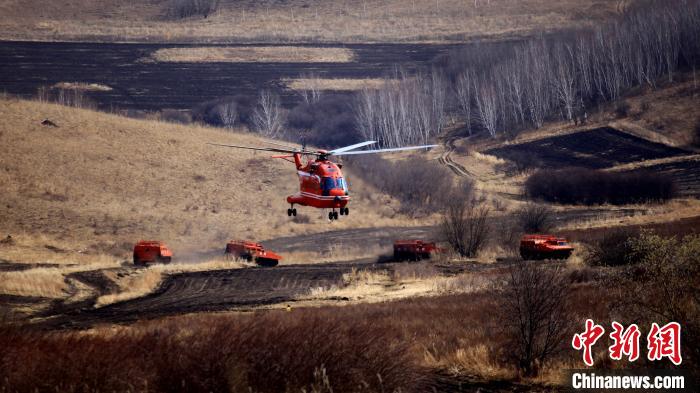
321, 184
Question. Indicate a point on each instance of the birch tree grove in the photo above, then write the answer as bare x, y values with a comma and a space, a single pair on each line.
406, 110
557, 77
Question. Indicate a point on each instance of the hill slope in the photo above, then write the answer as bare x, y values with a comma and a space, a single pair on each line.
100, 182
296, 20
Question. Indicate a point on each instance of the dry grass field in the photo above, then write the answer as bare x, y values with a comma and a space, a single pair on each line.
405, 342
262, 54
97, 183
297, 20
334, 84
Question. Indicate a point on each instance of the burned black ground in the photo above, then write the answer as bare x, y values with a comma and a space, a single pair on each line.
144, 85
596, 149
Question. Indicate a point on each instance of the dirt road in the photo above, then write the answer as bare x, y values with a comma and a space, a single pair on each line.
243, 289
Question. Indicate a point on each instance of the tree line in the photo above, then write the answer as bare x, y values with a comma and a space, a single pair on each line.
504, 88
496, 89
407, 110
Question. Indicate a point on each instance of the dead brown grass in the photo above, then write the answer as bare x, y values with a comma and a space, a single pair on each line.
47, 282
403, 341
82, 86
408, 280
668, 114
296, 20
338, 84
254, 54
337, 252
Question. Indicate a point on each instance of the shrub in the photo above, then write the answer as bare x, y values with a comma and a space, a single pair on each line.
534, 218
614, 248
422, 187
507, 235
327, 123
534, 307
225, 111
175, 116
590, 187
181, 9
66, 96
622, 109
267, 353
465, 226
664, 285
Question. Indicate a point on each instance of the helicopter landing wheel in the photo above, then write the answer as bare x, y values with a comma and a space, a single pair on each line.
335, 215
289, 212
330, 216
342, 211
346, 210
294, 212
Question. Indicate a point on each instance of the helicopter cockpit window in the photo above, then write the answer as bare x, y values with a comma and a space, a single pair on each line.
341, 184
328, 183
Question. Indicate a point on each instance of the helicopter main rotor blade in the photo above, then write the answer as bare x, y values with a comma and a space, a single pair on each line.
351, 147
258, 148
280, 144
384, 150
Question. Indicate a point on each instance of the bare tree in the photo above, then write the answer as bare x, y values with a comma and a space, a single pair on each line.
465, 226
227, 112
565, 78
312, 93
364, 110
437, 100
268, 118
485, 99
537, 71
464, 88
583, 65
514, 83
533, 304
535, 218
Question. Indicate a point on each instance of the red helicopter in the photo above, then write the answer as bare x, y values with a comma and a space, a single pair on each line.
321, 183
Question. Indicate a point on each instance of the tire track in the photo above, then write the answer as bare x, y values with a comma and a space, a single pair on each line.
220, 290
446, 160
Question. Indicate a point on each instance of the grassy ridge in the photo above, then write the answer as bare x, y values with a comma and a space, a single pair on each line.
297, 20
100, 182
